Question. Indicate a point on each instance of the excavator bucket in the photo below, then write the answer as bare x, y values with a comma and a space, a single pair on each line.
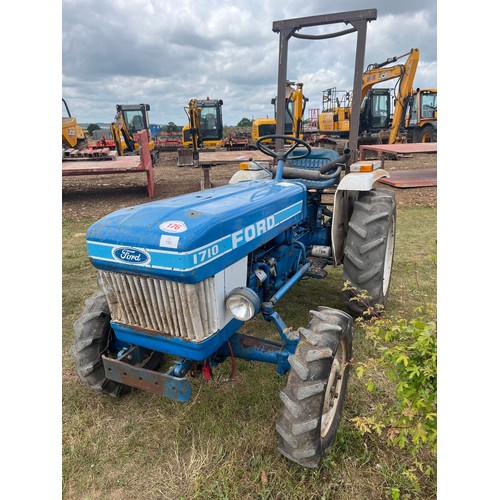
185, 157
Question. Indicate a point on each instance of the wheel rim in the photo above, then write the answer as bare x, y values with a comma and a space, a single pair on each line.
333, 392
426, 137
389, 253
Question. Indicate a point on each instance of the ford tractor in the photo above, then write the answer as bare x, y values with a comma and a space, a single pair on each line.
181, 275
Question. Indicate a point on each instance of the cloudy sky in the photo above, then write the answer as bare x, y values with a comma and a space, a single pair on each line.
165, 53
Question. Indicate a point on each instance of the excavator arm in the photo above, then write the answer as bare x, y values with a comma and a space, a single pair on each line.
118, 130
377, 73
403, 95
295, 95
193, 112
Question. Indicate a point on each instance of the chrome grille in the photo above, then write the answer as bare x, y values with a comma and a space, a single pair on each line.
178, 309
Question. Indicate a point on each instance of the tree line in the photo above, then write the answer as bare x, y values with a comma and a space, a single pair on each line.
170, 126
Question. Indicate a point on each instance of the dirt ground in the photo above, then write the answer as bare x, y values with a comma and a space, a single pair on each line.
93, 196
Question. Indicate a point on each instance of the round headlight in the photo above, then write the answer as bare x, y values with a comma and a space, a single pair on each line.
243, 303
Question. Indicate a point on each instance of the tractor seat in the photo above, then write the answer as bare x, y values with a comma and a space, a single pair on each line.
317, 158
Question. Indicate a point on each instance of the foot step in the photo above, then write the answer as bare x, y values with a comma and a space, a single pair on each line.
316, 270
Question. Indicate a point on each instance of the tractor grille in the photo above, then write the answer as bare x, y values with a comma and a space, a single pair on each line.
177, 309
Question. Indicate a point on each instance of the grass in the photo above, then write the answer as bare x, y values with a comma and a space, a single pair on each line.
222, 444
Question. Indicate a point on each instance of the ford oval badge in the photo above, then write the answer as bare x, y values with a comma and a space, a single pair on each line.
131, 255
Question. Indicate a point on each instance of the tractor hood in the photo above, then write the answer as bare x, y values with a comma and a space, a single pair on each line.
191, 237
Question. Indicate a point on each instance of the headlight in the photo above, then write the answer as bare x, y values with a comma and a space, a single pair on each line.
243, 303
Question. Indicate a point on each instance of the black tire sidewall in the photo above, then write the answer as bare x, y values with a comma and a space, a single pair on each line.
95, 323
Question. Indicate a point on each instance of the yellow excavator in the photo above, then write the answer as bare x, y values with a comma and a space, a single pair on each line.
129, 120
72, 134
295, 107
205, 124
413, 119
203, 131
377, 123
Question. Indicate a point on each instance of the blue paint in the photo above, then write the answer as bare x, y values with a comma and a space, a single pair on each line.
255, 349
294, 279
216, 228
192, 237
195, 350
154, 129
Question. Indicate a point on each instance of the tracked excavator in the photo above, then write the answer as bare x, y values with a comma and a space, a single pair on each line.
203, 131
377, 122
129, 120
205, 124
295, 107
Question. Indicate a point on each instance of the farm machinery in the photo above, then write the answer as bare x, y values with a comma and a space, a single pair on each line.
295, 107
76, 146
168, 141
204, 130
377, 121
236, 141
180, 276
72, 134
129, 120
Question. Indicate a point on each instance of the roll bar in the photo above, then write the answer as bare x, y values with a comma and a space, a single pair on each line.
288, 28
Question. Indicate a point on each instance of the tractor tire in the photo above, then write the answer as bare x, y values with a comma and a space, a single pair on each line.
315, 392
93, 335
369, 250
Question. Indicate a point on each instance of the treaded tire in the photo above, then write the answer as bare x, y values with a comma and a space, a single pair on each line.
319, 369
426, 134
369, 249
92, 338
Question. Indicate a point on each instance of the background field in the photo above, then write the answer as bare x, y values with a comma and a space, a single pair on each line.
222, 444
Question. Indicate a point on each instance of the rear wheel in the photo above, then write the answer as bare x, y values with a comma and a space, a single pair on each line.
369, 250
93, 338
315, 392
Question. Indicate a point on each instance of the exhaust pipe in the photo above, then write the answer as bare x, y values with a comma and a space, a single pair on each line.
324, 169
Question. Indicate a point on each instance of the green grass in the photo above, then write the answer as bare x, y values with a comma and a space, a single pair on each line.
222, 444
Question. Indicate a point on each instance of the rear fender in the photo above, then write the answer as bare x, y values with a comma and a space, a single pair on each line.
347, 193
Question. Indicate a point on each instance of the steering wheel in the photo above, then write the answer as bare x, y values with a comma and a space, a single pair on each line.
283, 155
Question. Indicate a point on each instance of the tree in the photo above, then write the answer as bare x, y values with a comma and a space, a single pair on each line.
244, 122
171, 127
91, 127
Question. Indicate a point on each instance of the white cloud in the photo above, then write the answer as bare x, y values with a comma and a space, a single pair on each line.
165, 53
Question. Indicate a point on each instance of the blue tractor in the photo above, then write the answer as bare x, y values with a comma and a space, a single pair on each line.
180, 276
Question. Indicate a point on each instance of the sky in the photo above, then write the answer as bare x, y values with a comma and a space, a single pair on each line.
164, 53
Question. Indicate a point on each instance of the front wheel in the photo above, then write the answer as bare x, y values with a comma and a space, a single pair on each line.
427, 134
315, 392
95, 337
369, 251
